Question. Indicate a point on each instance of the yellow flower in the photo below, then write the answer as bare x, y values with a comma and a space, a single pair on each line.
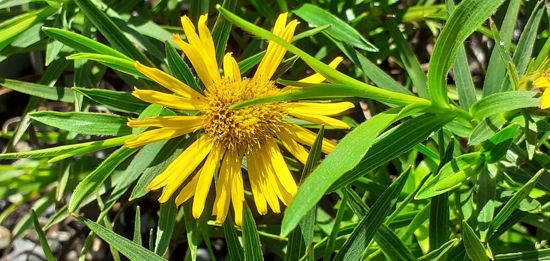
544, 82
229, 135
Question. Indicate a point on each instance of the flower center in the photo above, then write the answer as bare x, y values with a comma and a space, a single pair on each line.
244, 128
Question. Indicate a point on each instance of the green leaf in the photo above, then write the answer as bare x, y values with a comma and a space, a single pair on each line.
452, 175
166, 224
300, 238
463, 78
85, 122
496, 70
10, 29
364, 232
332, 75
390, 244
524, 50
472, 244
497, 146
409, 60
345, 156
325, 91
119, 64
467, 17
39, 90
120, 101
179, 68
128, 248
438, 254
139, 163
502, 102
72, 149
112, 33
89, 185
513, 203
251, 239
540, 254
394, 143
42, 237
82, 43
234, 248
222, 29
485, 129
137, 227
339, 30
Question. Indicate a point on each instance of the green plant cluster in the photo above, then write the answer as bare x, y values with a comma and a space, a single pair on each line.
446, 160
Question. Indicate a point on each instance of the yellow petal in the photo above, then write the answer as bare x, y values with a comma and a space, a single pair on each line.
203, 46
280, 167
168, 100
542, 82
307, 137
264, 171
208, 43
237, 188
254, 174
275, 52
198, 63
230, 166
319, 119
231, 67
181, 168
205, 179
151, 136
545, 102
188, 191
168, 121
317, 77
318, 108
297, 150
168, 81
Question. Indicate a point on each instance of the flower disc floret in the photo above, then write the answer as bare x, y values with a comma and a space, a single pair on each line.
246, 128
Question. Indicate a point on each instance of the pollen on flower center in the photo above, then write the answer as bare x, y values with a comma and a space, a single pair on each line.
243, 128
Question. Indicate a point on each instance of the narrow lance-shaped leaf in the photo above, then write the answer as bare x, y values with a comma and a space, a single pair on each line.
513, 203
465, 19
82, 43
128, 248
364, 232
84, 122
339, 30
108, 28
344, 157
504, 101
42, 237
394, 143
234, 246
166, 224
472, 244
89, 185
40, 90
67, 149
251, 239
119, 64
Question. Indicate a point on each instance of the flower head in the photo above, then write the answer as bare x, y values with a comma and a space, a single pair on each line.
543, 82
253, 132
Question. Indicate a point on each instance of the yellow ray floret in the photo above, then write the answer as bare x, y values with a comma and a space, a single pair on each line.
200, 50
168, 100
275, 52
544, 82
168, 81
231, 68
